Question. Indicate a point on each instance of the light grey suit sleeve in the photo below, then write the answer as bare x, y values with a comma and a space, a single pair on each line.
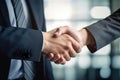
106, 30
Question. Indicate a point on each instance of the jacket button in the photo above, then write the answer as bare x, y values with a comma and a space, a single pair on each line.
26, 55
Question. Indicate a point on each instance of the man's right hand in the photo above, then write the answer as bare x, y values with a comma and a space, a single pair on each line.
62, 48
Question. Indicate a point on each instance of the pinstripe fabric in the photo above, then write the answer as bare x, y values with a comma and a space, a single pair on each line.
19, 14
28, 70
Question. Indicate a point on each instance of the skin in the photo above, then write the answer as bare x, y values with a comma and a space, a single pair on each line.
83, 37
61, 48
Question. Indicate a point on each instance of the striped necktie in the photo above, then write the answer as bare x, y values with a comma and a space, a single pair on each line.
22, 22
19, 14
28, 70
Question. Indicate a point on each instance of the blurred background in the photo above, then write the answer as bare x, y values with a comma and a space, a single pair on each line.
103, 64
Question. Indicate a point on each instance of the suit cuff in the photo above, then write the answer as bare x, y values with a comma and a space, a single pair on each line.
30, 46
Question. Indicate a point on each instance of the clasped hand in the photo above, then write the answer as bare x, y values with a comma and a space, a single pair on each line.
61, 44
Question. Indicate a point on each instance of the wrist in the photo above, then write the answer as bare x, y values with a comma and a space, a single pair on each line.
88, 39
84, 36
45, 35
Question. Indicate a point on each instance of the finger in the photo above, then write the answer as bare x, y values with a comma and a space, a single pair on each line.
66, 56
74, 35
58, 32
75, 45
67, 30
61, 30
61, 61
56, 57
64, 61
62, 52
50, 56
72, 52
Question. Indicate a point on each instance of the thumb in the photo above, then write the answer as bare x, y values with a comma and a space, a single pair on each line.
67, 30
58, 32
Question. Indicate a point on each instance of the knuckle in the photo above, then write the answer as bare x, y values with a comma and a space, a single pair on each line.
63, 52
66, 47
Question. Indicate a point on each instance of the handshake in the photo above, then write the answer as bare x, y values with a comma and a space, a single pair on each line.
65, 42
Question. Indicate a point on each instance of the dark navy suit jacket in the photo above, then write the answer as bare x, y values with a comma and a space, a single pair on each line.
24, 44
105, 31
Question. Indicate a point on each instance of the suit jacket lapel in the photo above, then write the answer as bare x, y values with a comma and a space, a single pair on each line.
4, 12
37, 12
4, 61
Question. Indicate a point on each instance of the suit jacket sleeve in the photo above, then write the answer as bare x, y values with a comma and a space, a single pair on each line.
19, 43
105, 31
